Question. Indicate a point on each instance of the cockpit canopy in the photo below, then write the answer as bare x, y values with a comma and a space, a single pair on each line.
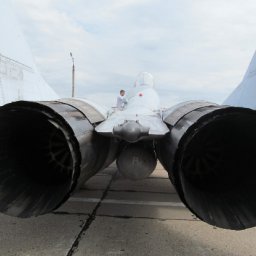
144, 79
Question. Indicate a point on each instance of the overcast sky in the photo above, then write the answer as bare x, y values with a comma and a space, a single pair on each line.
195, 49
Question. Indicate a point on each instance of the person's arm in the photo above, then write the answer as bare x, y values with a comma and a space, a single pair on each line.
125, 101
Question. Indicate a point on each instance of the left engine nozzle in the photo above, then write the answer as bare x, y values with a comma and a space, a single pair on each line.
47, 149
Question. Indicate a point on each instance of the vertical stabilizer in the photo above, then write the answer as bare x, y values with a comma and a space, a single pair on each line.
19, 78
245, 94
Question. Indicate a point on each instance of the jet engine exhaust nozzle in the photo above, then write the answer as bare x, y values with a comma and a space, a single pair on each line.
210, 157
47, 149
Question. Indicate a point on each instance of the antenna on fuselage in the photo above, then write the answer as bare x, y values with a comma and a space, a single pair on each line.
73, 75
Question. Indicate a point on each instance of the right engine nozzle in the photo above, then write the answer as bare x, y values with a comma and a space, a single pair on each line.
210, 154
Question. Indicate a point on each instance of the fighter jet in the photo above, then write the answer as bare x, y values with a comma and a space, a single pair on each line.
49, 146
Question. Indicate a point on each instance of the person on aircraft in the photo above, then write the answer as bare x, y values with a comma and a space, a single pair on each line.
121, 100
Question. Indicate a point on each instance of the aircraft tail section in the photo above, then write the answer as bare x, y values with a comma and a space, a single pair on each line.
245, 94
19, 77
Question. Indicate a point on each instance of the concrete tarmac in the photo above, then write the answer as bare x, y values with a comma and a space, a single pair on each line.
113, 216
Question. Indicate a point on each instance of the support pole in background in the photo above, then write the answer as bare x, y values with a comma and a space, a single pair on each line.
73, 75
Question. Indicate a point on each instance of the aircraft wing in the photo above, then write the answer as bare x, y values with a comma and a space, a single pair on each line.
50, 148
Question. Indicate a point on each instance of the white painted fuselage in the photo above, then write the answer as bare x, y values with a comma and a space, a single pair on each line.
143, 108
